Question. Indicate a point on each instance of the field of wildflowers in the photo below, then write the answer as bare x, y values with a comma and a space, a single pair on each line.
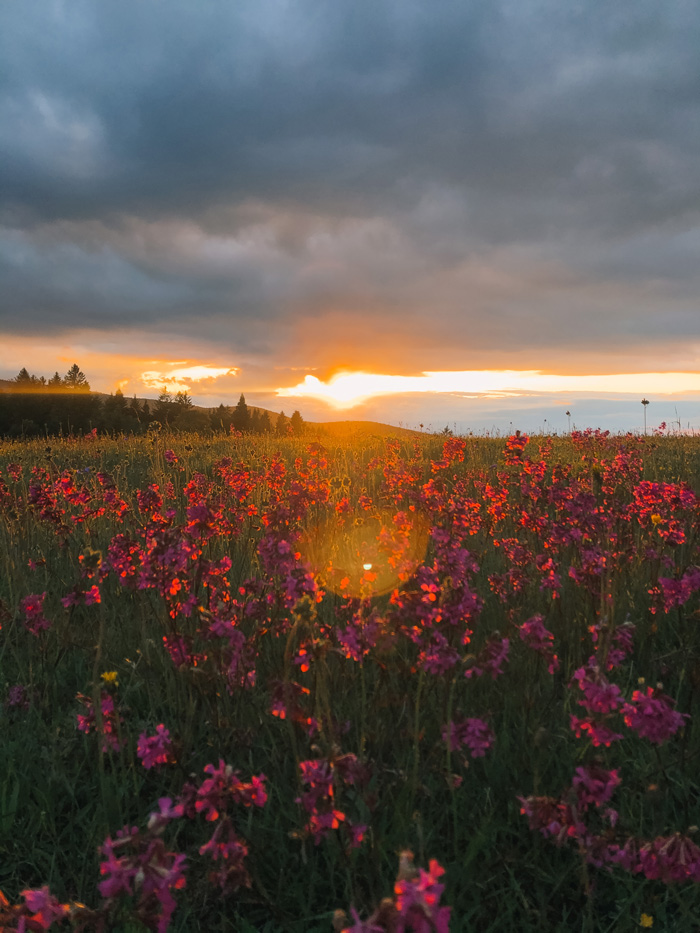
442, 684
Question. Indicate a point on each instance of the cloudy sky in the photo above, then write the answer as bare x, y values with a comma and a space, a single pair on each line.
270, 197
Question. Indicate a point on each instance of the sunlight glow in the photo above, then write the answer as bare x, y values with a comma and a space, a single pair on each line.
179, 379
345, 390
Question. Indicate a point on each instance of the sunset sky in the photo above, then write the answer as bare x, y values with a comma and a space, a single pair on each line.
462, 213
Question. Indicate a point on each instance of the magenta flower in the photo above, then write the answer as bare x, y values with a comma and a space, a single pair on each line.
491, 658
651, 716
44, 906
18, 698
474, 733
166, 812
599, 733
540, 639
595, 785
418, 901
33, 608
155, 749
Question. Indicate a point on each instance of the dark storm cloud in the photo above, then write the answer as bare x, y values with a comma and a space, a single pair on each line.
484, 164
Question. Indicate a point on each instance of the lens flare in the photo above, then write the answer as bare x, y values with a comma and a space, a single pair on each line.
362, 555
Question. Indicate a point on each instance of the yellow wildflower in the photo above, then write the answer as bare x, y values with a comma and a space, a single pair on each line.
646, 920
655, 520
110, 677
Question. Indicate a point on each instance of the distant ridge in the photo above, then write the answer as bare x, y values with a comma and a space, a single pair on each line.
327, 428
359, 429
335, 429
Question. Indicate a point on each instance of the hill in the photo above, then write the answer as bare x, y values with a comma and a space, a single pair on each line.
334, 429
337, 429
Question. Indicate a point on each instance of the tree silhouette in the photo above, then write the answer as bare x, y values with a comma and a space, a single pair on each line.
135, 410
297, 423
75, 379
220, 418
241, 416
164, 407
281, 424
115, 412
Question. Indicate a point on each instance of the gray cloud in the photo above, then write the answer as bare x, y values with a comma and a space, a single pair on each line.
506, 175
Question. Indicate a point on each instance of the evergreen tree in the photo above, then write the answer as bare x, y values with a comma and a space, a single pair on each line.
164, 407
55, 382
281, 424
183, 401
25, 381
241, 416
75, 379
135, 411
297, 423
220, 418
114, 412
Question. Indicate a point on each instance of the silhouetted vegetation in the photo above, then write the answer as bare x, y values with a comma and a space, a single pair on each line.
32, 406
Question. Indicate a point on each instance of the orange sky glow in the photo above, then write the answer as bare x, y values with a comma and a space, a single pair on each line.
322, 393
345, 390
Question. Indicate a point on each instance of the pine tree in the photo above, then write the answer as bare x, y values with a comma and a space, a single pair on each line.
75, 379
135, 410
281, 424
220, 418
241, 416
164, 407
297, 423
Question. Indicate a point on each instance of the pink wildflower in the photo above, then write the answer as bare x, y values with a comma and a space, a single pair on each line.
33, 608
418, 900
44, 906
651, 716
155, 749
537, 637
491, 658
599, 732
474, 733
594, 785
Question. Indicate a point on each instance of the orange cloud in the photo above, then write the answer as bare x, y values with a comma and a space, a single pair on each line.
179, 379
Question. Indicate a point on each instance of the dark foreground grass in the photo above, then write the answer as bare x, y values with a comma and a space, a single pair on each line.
362, 661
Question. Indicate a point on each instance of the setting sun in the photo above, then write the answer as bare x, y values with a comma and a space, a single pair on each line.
345, 390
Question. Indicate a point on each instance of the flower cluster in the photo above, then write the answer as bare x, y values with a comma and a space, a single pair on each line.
110, 721
472, 733
415, 905
155, 749
323, 780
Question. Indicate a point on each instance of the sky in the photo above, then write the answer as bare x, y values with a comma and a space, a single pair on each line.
437, 212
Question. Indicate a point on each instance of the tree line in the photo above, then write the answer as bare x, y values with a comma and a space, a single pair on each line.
35, 406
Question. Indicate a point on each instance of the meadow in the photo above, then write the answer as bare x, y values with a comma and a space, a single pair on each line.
309, 685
